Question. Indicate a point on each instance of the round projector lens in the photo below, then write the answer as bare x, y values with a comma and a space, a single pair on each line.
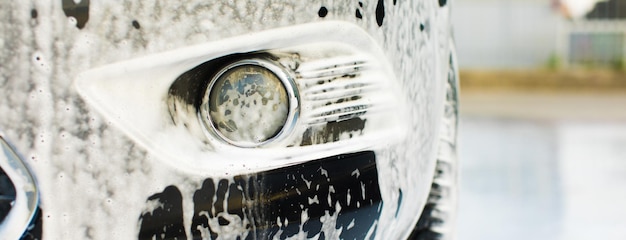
248, 103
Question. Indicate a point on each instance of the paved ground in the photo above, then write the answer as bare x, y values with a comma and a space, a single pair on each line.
573, 80
559, 106
542, 165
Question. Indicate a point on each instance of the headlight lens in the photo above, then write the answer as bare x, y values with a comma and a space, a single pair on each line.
249, 103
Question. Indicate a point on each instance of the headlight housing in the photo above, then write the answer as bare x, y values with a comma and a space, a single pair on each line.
342, 96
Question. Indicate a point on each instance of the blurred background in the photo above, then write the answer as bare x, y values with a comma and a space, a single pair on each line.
542, 138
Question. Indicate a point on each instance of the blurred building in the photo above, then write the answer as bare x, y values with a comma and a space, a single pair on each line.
598, 39
525, 34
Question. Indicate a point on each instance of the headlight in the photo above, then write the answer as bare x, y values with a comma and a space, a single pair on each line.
326, 89
250, 103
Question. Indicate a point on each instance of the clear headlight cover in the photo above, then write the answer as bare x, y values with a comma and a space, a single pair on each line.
249, 103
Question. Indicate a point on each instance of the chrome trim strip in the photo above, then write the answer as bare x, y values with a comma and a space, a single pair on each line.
27, 194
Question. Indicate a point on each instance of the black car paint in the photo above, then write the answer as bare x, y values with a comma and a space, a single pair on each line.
349, 181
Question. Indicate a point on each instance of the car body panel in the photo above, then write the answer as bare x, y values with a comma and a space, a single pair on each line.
96, 182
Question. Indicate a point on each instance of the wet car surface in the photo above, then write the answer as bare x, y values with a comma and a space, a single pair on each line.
111, 105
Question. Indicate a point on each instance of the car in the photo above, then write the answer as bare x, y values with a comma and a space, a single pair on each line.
228, 120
